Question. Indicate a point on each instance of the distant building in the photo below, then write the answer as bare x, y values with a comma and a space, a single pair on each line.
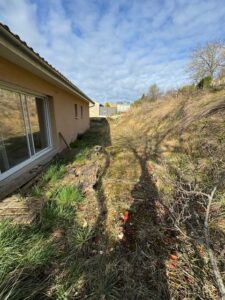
99, 110
94, 110
107, 111
123, 107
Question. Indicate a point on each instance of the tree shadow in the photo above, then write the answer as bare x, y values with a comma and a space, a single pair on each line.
136, 267
143, 243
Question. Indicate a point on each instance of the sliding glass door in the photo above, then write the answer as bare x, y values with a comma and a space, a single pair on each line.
24, 129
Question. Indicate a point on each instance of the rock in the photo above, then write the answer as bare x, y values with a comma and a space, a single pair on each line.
97, 148
120, 236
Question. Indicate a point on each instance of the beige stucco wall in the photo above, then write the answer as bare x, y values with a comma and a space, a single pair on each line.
61, 103
62, 112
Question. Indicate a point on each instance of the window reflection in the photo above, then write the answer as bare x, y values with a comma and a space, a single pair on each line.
23, 128
36, 108
13, 139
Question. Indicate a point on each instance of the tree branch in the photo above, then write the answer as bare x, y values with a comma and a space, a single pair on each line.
212, 258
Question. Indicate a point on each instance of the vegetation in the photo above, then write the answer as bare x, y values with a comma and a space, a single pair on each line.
107, 104
28, 253
146, 227
205, 82
54, 173
138, 101
153, 93
180, 158
207, 61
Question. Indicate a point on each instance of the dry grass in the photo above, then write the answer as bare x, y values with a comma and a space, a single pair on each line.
139, 233
181, 143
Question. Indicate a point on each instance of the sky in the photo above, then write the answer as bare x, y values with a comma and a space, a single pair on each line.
115, 49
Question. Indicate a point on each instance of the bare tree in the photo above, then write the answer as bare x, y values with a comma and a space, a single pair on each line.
207, 61
153, 93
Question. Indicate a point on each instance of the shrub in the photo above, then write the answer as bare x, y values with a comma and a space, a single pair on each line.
187, 90
205, 82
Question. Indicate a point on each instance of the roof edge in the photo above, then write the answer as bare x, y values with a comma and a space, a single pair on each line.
34, 55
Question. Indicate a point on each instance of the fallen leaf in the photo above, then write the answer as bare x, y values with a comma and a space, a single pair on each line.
126, 216
173, 257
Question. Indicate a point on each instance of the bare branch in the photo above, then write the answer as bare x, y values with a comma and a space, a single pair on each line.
207, 61
153, 93
212, 258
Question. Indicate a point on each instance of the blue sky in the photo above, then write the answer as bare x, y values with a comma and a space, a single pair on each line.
115, 49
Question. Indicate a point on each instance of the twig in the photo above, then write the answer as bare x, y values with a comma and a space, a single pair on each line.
64, 140
174, 220
199, 193
212, 258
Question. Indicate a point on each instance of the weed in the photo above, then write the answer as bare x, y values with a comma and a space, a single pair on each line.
72, 282
80, 237
54, 173
36, 191
68, 196
24, 251
60, 207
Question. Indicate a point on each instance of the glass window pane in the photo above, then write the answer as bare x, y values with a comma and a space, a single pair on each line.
36, 108
13, 139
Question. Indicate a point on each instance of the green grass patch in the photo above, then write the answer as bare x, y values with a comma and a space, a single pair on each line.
55, 215
22, 246
80, 237
54, 173
68, 196
36, 191
24, 253
81, 156
60, 207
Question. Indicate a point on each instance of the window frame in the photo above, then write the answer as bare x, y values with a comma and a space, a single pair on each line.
23, 93
75, 111
81, 112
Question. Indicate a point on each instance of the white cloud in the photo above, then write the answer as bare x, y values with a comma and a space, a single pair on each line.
113, 50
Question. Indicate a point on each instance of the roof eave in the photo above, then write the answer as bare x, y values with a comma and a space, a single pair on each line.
40, 63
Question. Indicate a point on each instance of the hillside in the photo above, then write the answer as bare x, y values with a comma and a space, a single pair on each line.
178, 148
125, 213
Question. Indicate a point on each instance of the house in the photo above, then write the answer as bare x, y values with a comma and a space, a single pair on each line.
112, 109
94, 110
123, 107
101, 111
40, 111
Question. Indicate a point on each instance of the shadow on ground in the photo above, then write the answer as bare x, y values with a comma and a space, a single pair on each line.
133, 268
87, 262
